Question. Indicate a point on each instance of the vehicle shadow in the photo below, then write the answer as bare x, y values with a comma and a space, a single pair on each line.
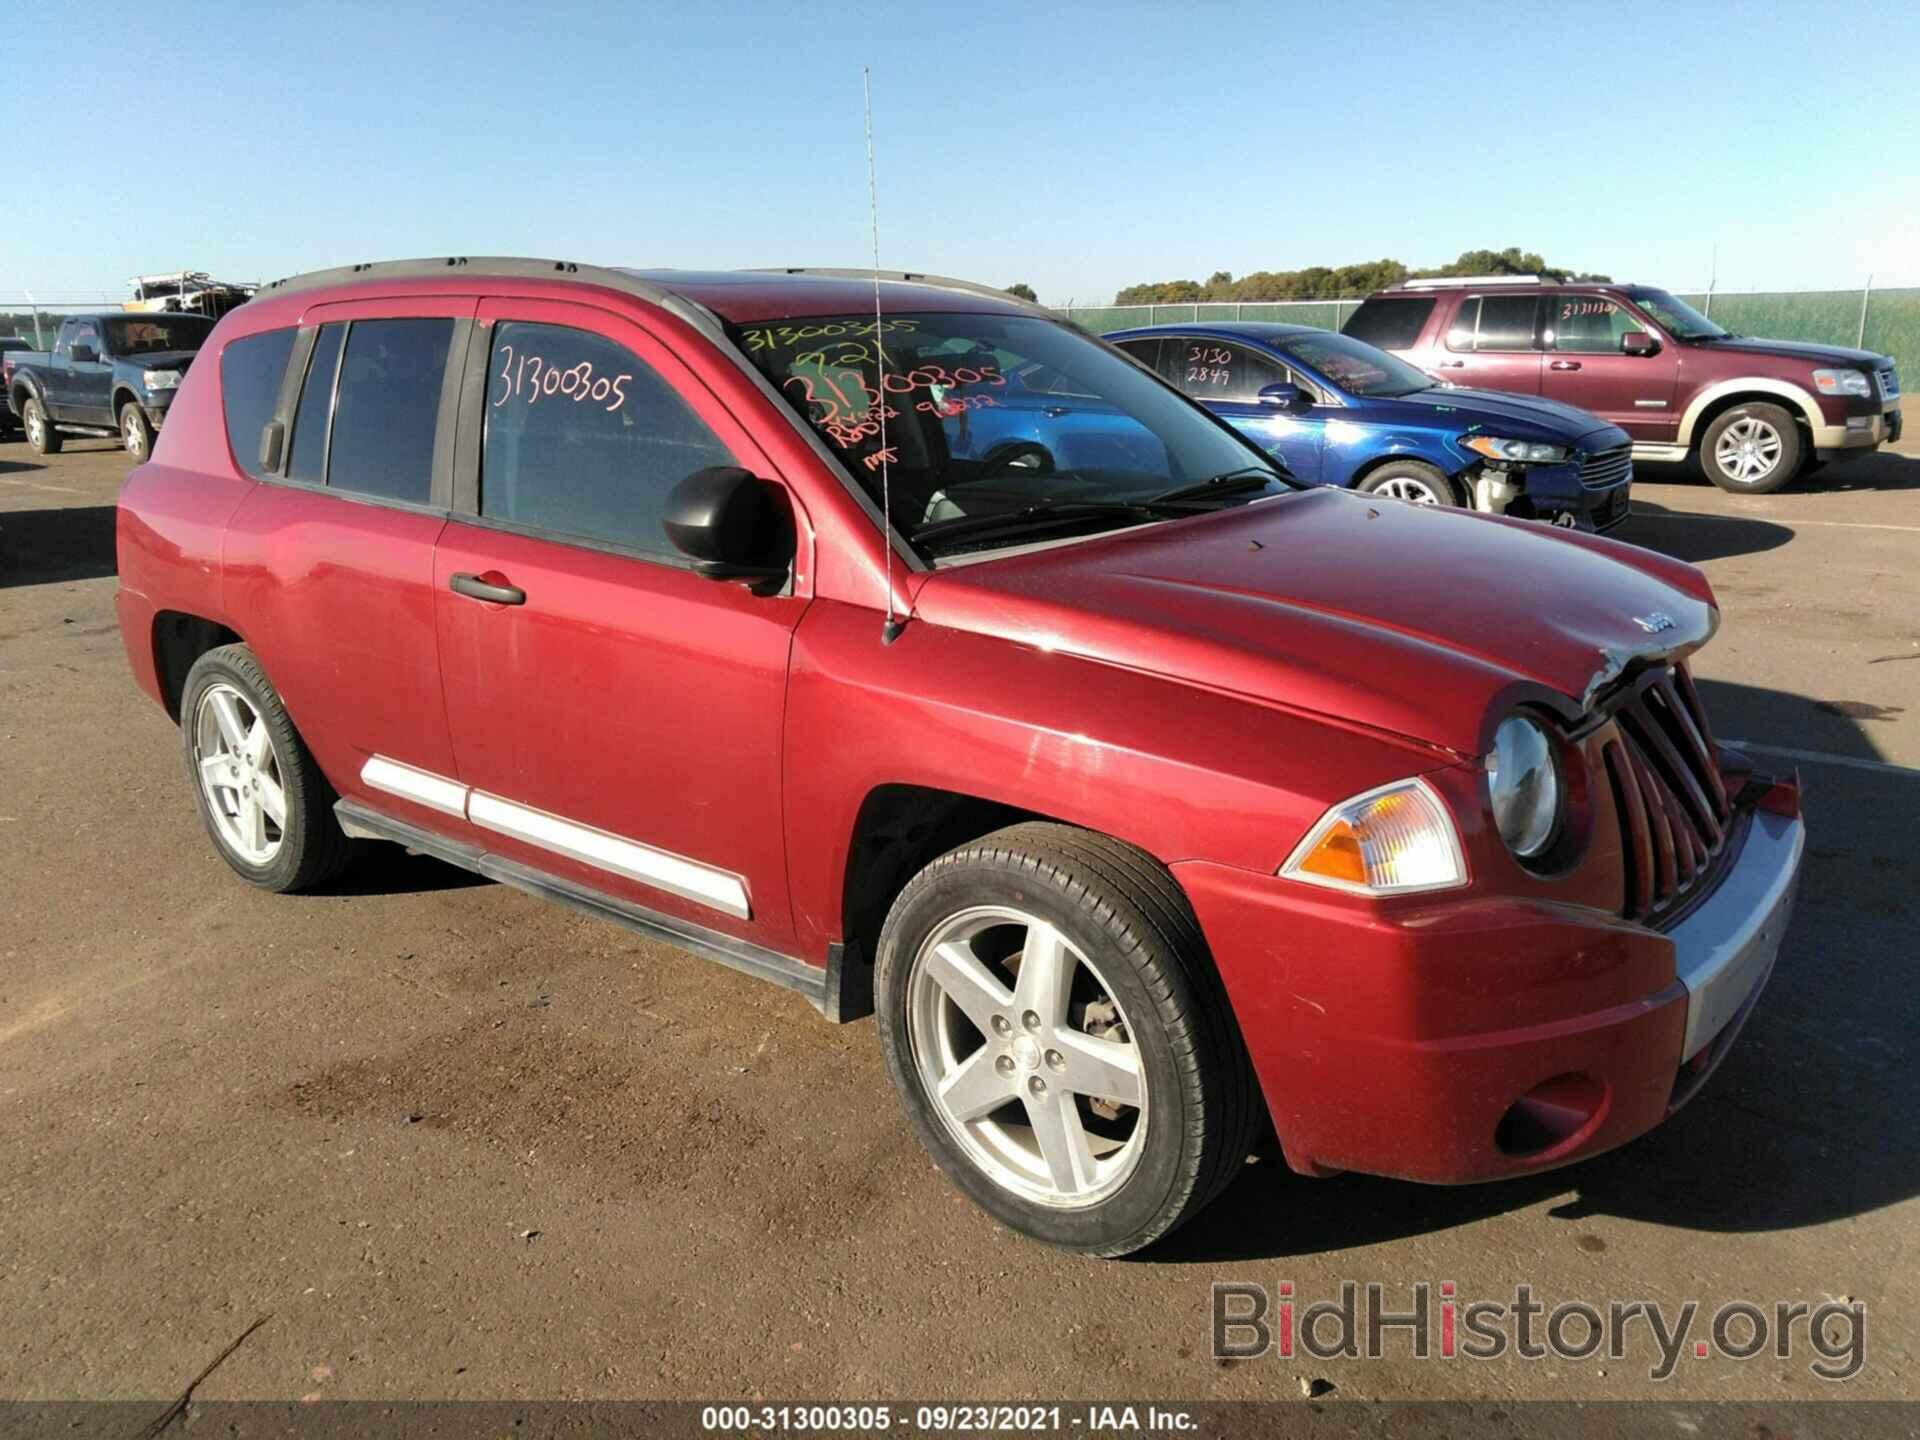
42, 547
1882, 470
379, 868
1697, 538
1805, 1122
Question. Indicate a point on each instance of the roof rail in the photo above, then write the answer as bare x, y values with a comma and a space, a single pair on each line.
1438, 282
911, 277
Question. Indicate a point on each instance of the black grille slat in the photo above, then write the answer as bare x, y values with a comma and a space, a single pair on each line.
1607, 467
1668, 794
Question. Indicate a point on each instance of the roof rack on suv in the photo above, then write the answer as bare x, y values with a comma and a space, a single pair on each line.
915, 277
1438, 282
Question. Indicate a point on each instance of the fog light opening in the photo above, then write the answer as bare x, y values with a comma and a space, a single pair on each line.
1553, 1113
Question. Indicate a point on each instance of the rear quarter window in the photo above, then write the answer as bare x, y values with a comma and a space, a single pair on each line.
251, 369
1392, 324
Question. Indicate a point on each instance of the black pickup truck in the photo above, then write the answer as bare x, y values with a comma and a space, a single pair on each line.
106, 374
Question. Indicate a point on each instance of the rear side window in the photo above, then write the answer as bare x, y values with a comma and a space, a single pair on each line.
1493, 322
309, 459
387, 408
584, 440
1147, 351
1392, 324
251, 369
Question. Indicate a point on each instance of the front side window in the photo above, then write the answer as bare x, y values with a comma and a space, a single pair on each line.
583, 439
157, 334
251, 369
83, 335
1220, 370
1589, 324
999, 429
387, 407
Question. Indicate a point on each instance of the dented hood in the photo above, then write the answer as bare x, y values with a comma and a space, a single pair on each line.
1411, 619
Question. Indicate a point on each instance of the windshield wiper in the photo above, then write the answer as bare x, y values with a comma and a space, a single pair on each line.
1247, 477
1047, 513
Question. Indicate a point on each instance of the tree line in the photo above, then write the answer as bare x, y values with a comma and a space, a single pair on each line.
1330, 282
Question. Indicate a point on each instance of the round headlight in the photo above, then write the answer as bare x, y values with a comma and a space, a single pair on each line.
1524, 779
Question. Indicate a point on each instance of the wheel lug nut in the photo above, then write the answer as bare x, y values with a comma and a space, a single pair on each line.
1030, 1020
1037, 1085
1055, 1060
1004, 1064
1002, 1025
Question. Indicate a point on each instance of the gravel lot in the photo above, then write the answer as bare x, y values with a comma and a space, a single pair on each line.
457, 1143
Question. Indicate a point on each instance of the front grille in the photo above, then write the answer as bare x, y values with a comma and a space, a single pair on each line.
1889, 383
1608, 467
1667, 792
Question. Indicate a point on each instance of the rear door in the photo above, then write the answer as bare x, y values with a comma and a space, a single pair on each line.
618, 717
1587, 367
1490, 343
329, 563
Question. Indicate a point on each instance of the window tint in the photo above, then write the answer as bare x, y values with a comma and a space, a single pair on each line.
1391, 324
1590, 324
309, 459
1217, 370
388, 408
1147, 351
582, 438
1492, 322
251, 369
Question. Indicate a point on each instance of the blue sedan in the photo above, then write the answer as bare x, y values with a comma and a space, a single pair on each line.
1336, 411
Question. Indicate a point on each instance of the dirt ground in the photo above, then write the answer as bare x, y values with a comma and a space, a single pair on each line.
459, 1143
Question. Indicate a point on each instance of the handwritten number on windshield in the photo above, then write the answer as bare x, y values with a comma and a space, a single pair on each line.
577, 383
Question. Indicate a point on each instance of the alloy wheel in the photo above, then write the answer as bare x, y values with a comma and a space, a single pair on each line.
1407, 487
1748, 450
240, 774
131, 433
1027, 1058
36, 425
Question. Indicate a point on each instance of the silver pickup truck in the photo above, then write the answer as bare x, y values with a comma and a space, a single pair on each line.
106, 374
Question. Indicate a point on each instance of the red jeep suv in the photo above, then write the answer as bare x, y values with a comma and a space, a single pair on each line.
1152, 798
1748, 413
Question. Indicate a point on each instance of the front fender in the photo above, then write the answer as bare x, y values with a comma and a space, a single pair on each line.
1800, 399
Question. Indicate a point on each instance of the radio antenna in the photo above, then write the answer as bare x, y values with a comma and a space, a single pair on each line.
890, 631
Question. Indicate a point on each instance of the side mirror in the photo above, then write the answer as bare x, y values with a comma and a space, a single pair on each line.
83, 355
733, 526
1285, 396
1638, 342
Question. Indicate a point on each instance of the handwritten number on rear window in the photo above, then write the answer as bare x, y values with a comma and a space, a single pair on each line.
535, 376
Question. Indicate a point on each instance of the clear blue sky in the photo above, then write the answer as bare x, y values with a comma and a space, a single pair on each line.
1078, 148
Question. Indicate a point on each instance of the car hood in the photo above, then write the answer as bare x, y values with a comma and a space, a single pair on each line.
161, 360
1528, 417
1422, 622
1794, 350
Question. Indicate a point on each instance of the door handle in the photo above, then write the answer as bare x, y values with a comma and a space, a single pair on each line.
474, 588
1564, 365
1054, 412
1451, 365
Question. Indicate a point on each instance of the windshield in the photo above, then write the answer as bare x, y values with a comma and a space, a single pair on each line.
153, 334
1683, 322
1001, 429
1354, 365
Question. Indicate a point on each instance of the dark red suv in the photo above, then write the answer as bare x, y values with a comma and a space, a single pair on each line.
1151, 797
1750, 413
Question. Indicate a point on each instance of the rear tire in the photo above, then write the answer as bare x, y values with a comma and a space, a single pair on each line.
266, 806
1752, 449
1021, 1091
1412, 481
135, 433
42, 438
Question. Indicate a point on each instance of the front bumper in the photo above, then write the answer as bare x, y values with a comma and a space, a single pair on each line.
1557, 495
1858, 434
1464, 1039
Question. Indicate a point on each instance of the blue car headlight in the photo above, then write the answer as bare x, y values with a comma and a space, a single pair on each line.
163, 379
1514, 452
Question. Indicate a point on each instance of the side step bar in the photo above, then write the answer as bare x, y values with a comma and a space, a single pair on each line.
827, 988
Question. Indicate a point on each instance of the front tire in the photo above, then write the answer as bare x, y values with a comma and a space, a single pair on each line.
135, 433
42, 438
1410, 480
266, 806
1059, 1039
1751, 449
